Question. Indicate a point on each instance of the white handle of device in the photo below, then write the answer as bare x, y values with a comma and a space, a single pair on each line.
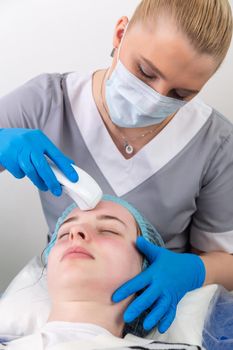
85, 192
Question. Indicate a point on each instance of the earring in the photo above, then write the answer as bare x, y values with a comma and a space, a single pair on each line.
112, 52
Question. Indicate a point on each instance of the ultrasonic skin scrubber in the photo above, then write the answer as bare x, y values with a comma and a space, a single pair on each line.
85, 192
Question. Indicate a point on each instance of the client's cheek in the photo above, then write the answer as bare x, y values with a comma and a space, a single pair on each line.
127, 264
52, 265
51, 278
133, 259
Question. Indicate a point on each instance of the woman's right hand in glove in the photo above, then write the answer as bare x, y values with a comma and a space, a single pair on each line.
22, 153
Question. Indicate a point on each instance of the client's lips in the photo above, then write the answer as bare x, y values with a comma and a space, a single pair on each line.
76, 250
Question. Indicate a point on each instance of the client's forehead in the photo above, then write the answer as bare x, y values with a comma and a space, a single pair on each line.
105, 208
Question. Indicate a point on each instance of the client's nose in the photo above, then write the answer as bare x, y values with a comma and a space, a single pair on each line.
79, 232
76, 235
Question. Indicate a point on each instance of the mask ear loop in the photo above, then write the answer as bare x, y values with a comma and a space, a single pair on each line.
121, 42
118, 49
114, 49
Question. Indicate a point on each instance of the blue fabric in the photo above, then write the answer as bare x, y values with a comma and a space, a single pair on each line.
218, 327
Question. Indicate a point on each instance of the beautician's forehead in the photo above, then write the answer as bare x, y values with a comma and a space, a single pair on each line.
165, 40
106, 208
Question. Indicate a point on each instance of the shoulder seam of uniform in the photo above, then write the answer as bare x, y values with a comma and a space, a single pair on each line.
221, 147
222, 117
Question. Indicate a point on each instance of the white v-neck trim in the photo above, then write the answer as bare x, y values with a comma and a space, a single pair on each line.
125, 174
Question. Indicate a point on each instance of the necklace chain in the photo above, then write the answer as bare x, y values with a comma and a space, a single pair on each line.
128, 148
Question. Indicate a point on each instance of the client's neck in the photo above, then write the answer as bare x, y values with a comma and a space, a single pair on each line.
108, 316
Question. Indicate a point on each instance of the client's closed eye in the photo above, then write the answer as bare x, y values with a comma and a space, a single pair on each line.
110, 231
63, 235
108, 227
105, 230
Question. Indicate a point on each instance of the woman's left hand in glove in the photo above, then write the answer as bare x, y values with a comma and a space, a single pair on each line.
168, 278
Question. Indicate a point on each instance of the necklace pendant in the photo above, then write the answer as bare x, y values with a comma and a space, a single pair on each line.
128, 148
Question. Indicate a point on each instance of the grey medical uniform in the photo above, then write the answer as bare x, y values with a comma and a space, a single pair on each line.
182, 180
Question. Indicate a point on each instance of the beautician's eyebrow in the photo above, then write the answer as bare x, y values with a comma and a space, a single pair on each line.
152, 66
157, 71
99, 217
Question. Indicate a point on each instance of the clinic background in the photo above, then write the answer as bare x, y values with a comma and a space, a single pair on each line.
60, 36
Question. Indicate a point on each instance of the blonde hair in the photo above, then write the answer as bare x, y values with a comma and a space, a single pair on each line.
206, 23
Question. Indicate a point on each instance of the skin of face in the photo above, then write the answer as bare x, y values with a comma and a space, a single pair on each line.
108, 233
167, 49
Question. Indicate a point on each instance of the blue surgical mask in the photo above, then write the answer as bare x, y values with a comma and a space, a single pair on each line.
132, 103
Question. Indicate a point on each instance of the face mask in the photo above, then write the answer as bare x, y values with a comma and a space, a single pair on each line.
132, 103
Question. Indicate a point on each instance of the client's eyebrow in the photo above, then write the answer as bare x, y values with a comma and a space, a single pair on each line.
110, 217
73, 218
99, 217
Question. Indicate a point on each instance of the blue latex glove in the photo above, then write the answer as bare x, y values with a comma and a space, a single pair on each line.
22, 153
169, 277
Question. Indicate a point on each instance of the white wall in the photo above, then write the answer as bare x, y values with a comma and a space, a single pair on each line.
59, 36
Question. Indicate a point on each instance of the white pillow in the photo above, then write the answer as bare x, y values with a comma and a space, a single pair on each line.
25, 306
190, 317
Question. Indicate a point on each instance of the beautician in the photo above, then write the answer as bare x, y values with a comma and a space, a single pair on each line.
140, 131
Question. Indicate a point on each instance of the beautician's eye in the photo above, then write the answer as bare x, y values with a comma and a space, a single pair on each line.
144, 74
177, 96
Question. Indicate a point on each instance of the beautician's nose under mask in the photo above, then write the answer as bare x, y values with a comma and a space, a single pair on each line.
132, 103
